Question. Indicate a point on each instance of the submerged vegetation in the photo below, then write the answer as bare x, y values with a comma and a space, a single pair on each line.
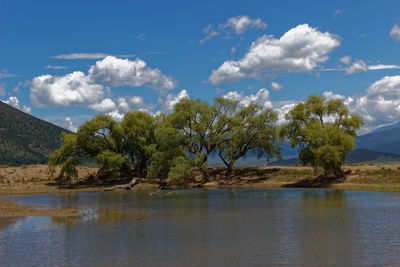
170, 147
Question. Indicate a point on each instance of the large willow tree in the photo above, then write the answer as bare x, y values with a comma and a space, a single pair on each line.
324, 131
253, 130
120, 149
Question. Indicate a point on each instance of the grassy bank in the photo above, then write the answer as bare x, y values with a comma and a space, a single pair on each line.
36, 179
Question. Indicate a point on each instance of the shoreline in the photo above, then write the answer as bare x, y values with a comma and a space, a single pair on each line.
40, 179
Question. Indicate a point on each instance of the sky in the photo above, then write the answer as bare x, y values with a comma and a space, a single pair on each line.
66, 61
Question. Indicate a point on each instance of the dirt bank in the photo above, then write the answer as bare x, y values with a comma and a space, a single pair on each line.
40, 179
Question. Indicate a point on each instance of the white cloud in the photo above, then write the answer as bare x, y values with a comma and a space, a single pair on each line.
55, 67
69, 125
137, 102
282, 111
276, 86
116, 115
238, 25
261, 98
383, 67
104, 106
166, 104
12, 101
78, 89
124, 72
81, 56
357, 66
395, 33
301, 49
26, 109
74, 89
88, 56
379, 106
345, 60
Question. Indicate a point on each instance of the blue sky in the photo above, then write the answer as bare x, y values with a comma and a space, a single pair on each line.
65, 61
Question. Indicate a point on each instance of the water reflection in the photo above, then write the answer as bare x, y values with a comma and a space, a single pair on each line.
212, 227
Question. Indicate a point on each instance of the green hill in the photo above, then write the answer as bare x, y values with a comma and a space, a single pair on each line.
25, 139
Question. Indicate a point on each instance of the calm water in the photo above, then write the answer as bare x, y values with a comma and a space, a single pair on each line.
223, 227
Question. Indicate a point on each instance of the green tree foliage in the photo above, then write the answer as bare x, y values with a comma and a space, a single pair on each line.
168, 151
323, 130
120, 149
253, 130
202, 128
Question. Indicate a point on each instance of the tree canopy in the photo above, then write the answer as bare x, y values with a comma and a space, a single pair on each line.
323, 130
170, 146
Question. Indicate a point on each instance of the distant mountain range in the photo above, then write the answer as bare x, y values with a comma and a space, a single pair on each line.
25, 139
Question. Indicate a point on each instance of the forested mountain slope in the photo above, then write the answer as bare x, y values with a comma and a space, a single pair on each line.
25, 139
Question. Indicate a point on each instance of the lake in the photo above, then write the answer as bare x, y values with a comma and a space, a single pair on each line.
219, 227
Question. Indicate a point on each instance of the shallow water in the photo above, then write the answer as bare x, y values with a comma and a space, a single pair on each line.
221, 227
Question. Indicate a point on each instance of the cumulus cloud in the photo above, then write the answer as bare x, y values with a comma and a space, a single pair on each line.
380, 105
395, 33
105, 105
345, 60
166, 104
276, 86
357, 66
238, 25
74, 89
26, 109
301, 49
78, 89
261, 98
14, 102
125, 104
69, 125
119, 72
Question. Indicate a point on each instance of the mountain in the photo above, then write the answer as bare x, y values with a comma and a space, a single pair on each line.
25, 139
356, 156
382, 141
388, 127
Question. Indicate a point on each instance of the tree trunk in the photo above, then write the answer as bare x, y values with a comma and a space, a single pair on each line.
206, 177
339, 172
229, 170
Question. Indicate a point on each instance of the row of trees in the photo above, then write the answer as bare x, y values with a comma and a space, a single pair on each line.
170, 146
